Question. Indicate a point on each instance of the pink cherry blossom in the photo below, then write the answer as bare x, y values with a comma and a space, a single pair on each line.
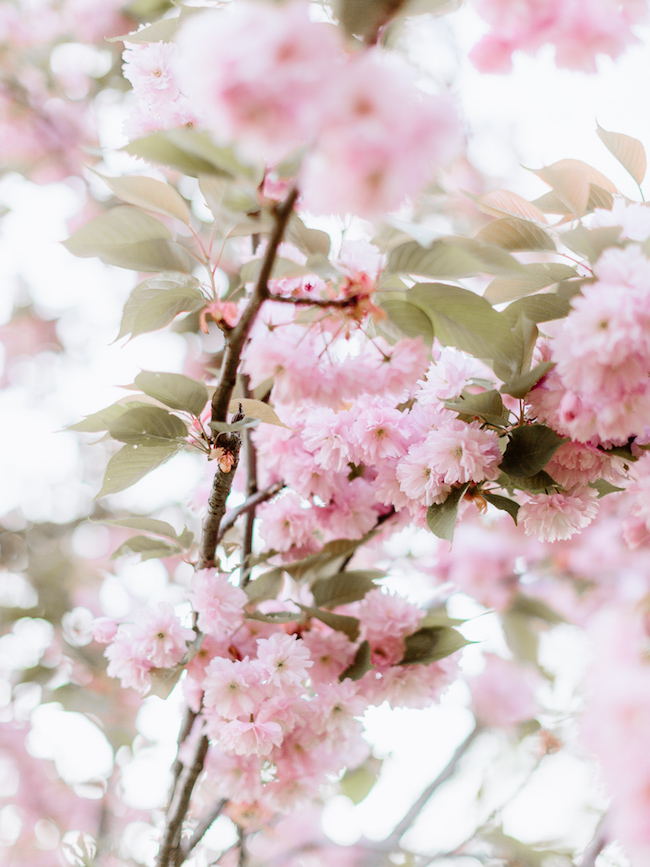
558, 516
219, 604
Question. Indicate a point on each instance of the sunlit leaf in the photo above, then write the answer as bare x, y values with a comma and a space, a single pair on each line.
512, 233
570, 181
147, 547
430, 644
149, 525
191, 152
133, 463
441, 517
256, 409
628, 151
155, 302
538, 276
150, 194
538, 308
308, 241
503, 202
357, 783
591, 242
174, 390
148, 426
129, 238
451, 258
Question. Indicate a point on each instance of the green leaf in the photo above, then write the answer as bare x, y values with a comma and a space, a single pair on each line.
538, 308
275, 616
500, 203
265, 586
129, 238
512, 233
356, 784
344, 587
150, 195
148, 426
149, 525
147, 547
325, 562
133, 463
603, 487
104, 418
192, 153
159, 31
591, 242
163, 680
524, 334
441, 517
540, 483
538, 276
570, 182
233, 427
521, 385
530, 448
465, 320
487, 405
256, 409
174, 390
521, 636
409, 318
624, 452
451, 258
156, 301
339, 622
628, 151
531, 607
360, 664
430, 644
308, 241
505, 504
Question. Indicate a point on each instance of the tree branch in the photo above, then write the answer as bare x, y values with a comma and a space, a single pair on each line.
251, 503
343, 303
237, 337
170, 851
202, 828
596, 846
251, 490
411, 815
177, 767
221, 485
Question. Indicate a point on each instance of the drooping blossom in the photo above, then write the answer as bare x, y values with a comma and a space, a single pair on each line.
552, 517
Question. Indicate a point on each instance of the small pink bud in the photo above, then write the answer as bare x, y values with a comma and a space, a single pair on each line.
223, 457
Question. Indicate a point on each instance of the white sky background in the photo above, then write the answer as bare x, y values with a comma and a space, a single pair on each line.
533, 117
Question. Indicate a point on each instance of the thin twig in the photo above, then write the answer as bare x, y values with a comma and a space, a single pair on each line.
260, 497
317, 302
177, 767
251, 490
411, 815
203, 827
596, 846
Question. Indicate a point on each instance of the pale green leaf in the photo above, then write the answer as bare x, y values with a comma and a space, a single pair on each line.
486, 405
431, 644
275, 616
308, 241
409, 318
151, 195
453, 257
499, 203
191, 152
155, 302
148, 426
512, 233
441, 517
159, 31
591, 242
538, 276
163, 680
174, 390
147, 548
532, 607
538, 308
628, 151
327, 561
256, 409
357, 783
133, 463
570, 182
604, 488
465, 320
265, 586
103, 419
149, 525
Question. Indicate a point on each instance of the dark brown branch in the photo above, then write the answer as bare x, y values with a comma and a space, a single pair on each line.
317, 302
411, 815
221, 486
237, 337
177, 767
241, 841
170, 852
202, 828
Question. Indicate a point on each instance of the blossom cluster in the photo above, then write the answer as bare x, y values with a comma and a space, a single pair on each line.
269, 80
578, 29
276, 703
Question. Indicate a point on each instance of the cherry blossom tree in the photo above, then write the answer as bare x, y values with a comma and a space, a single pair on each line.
388, 378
